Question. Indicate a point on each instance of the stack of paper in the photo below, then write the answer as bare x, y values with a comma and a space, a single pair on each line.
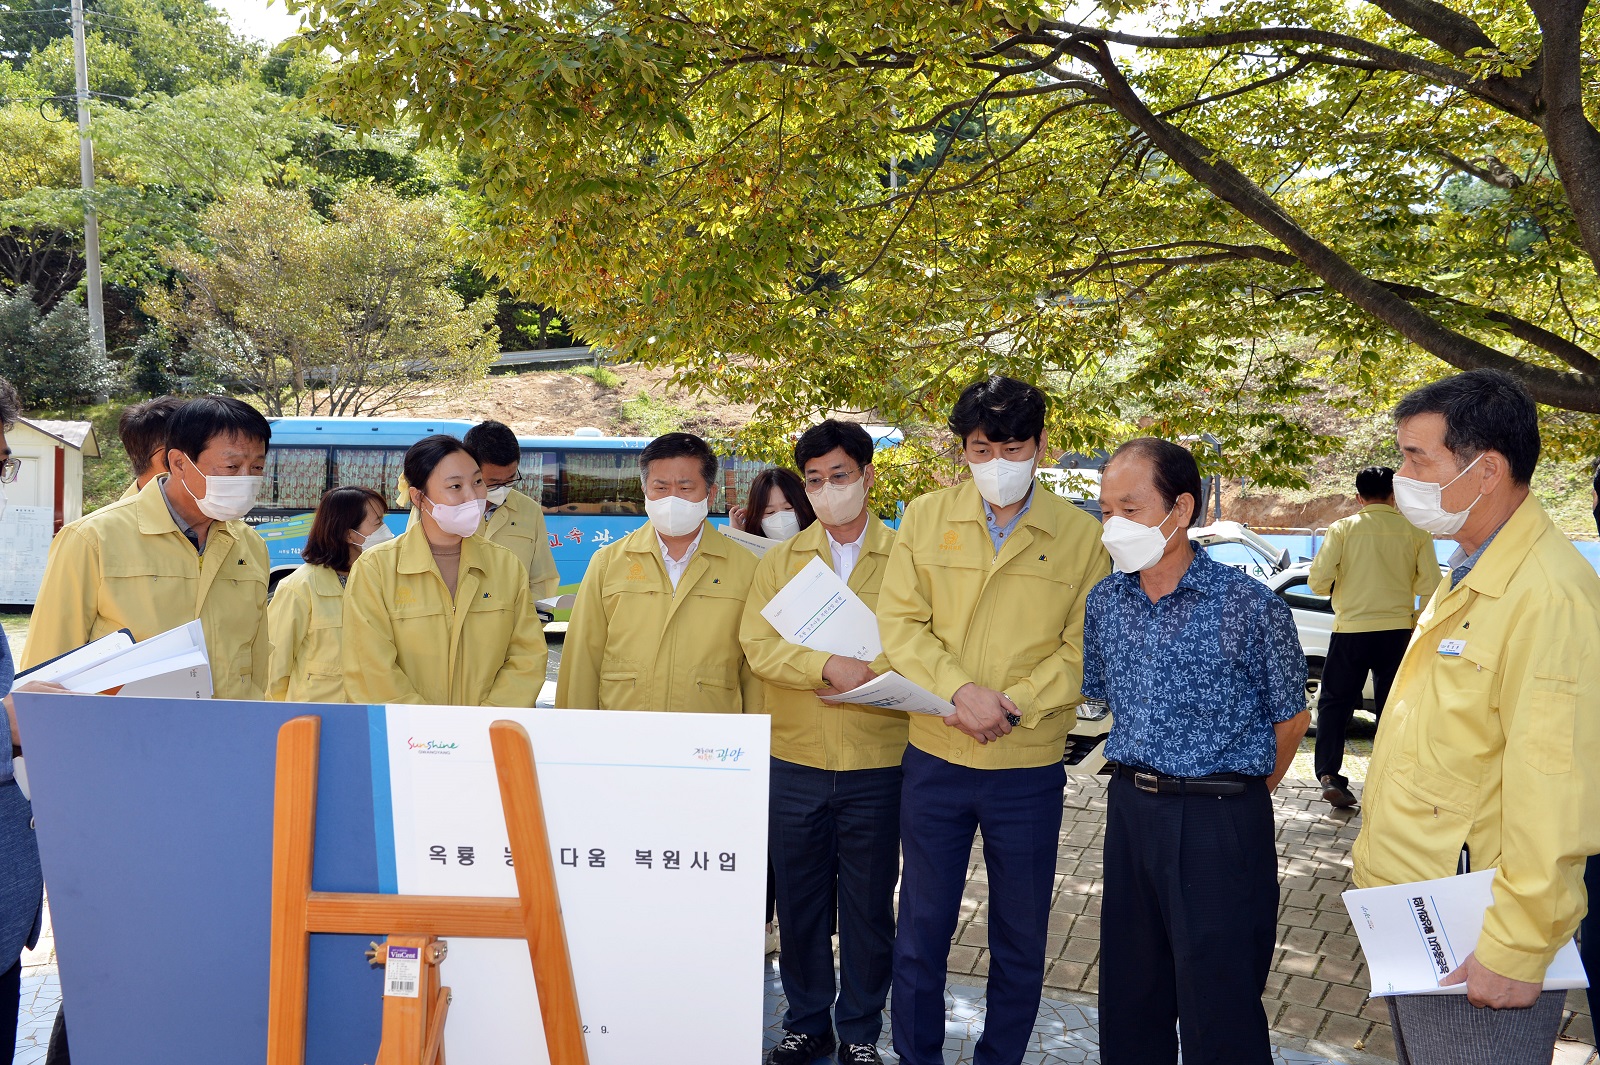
818, 610
1414, 935
171, 665
758, 545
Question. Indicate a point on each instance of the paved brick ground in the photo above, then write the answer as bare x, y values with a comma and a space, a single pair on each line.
1317, 993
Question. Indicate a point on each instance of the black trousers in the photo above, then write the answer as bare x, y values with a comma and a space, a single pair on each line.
1351, 656
1187, 927
10, 1003
835, 846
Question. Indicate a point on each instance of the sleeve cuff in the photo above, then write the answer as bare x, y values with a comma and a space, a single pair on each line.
1513, 963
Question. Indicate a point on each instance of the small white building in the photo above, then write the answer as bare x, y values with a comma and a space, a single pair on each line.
47, 494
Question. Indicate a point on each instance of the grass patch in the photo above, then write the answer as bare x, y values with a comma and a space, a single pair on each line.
653, 417
603, 376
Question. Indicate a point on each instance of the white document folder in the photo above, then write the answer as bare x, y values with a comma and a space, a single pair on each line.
1414, 935
172, 664
818, 610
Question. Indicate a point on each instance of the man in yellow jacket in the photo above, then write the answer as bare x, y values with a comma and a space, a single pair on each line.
834, 819
1488, 754
1375, 564
983, 605
656, 621
175, 552
515, 520
143, 430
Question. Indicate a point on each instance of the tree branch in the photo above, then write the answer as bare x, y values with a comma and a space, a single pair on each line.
1575, 391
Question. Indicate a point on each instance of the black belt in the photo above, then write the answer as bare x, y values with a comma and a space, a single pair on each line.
1159, 783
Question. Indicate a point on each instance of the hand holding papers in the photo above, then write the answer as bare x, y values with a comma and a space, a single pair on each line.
1414, 935
818, 610
891, 691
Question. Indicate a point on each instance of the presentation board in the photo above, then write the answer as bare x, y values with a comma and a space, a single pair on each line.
155, 828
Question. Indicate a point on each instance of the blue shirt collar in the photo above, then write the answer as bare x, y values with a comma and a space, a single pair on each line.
998, 533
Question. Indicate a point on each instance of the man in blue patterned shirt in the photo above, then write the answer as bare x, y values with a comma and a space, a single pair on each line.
1203, 671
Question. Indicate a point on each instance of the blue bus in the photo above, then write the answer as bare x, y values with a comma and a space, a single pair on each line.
588, 483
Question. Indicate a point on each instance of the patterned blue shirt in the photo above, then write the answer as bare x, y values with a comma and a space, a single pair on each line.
1196, 680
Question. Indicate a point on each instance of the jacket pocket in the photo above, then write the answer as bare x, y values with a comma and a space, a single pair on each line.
1553, 704
1424, 818
617, 689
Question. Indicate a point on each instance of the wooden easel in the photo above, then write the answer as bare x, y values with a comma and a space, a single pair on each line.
413, 1028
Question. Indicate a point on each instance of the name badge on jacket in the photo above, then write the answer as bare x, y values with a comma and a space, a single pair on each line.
1452, 648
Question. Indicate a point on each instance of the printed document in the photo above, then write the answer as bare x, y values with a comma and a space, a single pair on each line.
1414, 935
818, 610
756, 544
891, 691
172, 664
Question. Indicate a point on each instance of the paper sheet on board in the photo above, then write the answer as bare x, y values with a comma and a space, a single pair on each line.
818, 610
1414, 935
891, 691
658, 827
756, 544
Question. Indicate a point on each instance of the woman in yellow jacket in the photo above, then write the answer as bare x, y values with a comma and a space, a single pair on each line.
306, 616
441, 615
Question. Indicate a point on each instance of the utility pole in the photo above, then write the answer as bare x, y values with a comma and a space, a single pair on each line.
91, 222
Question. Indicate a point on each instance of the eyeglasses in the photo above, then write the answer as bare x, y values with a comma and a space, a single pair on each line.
842, 478
503, 484
9, 470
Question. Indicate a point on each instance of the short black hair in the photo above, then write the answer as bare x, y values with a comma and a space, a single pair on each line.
1375, 482
192, 427
793, 489
341, 509
423, 457
833, 433
677, 446
1176, 472
143, 429
10, 405
1484, 410
494, 443
1003, 407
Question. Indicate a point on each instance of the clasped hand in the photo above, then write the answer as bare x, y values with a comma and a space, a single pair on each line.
845, 674
981, 712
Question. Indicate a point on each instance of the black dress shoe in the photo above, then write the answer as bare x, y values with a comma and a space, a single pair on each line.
1336, 794
859, 1054
798, 1049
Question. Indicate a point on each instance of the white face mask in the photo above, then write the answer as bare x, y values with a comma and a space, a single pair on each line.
2, 502
1134, 547
382, 534
839, 504
1422, 503
676, 516
457, 519
1003, 481
498, 496
781, 525
226, 498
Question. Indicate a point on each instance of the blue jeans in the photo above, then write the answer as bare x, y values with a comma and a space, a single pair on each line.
835, 835
1019, 813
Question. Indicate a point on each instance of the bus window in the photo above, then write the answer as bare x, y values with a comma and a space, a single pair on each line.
377, 468
735, 476
540, 476
598, 482
296, 478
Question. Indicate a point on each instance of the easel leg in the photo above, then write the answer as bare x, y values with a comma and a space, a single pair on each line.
536, 888
294, 826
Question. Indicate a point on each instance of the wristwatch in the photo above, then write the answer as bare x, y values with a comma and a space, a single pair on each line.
1012, 719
